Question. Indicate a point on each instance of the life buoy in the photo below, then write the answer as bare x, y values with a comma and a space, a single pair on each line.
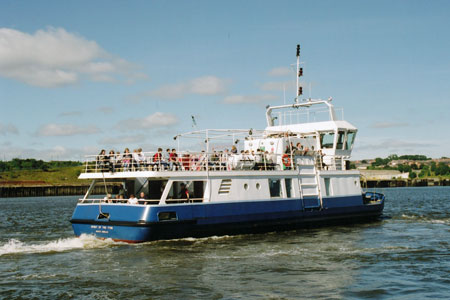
286, 160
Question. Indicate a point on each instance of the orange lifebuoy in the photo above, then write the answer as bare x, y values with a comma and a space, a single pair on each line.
286, 160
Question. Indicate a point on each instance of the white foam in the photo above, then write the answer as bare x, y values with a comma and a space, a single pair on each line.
14, 246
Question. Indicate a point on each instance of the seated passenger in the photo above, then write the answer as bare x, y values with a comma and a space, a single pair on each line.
101, 160
112, 161
173, 160
126, 159
132, 200
140, 158
158, 160
142, 198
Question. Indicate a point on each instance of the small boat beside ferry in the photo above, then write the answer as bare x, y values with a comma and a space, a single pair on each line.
293, 173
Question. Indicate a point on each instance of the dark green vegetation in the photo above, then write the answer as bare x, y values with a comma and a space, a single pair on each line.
32, 171
416, 165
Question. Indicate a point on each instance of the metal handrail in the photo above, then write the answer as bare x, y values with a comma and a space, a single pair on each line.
202, 161
140, 201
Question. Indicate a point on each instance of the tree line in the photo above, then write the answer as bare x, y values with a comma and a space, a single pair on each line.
426, 169
33, 164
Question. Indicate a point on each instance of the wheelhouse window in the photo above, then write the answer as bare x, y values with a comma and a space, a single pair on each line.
327, 140
340, 140
350, 139
275, 188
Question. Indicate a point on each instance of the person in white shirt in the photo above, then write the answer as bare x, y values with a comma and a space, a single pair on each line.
132, 200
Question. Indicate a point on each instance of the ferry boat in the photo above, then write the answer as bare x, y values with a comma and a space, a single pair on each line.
294, 173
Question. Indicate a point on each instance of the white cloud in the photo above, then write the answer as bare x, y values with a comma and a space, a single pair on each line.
256, 99
281, 71
53, 129
156, 120
8, 129
205, 86
55, 57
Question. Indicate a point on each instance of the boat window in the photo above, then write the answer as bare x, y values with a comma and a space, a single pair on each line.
195, 189
327, 140
274, 186
155, 189
350, 140
327, 186
288, 182
340, 140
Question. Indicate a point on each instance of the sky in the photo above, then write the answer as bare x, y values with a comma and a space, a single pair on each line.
80, 76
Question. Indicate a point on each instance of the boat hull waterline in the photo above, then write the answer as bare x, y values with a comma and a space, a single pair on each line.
140, 223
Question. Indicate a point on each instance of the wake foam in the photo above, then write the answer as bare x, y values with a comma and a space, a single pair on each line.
426, 219
14, 246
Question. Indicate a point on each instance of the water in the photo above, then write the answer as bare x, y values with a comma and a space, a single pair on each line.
403, 256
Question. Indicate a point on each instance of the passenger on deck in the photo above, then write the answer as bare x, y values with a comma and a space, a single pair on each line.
234, 150
173, 160
112, 161
158, 160
136, 160
101, 160
132, 200
140, 158
126, 159
142, 198
117, 160
299, 149
184, 193
167, 157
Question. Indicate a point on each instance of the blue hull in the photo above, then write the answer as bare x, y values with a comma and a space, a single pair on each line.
140, 223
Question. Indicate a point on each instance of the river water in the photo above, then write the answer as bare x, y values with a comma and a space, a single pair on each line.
405, 255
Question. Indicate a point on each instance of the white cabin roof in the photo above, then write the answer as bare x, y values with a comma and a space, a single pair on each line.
305, 128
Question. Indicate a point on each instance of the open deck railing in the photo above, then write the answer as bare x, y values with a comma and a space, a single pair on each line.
140, 201
201, 161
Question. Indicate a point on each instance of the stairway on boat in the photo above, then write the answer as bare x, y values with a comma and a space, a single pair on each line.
308, 182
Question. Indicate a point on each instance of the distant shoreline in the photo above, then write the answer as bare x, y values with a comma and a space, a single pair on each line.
17, 191
44, 190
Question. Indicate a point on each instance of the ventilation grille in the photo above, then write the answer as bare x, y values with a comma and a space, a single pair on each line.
225, 187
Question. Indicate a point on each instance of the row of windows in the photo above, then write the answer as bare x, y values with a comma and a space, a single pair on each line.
344, 142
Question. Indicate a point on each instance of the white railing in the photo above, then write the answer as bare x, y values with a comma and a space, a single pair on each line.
201, 161
140, 201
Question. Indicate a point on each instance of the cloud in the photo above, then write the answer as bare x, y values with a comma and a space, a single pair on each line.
55, 57
153, 121
280, 72
389, 125
204, 86
255, 99
8, 129
65, 130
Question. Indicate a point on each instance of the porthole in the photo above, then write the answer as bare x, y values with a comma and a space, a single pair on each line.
258, 186
245, 186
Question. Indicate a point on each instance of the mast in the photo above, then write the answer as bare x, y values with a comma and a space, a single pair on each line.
299, 73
